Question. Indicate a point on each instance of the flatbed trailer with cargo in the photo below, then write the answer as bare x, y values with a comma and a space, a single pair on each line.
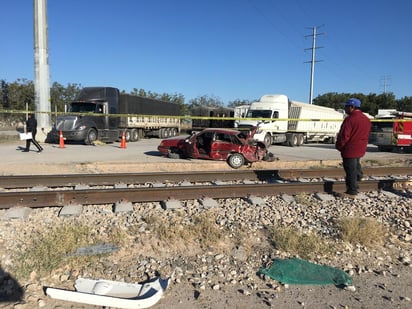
105, 114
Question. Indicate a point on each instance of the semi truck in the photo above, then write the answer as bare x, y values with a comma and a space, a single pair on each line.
282, 121
240, 111
211, 117
392, 131
105, 114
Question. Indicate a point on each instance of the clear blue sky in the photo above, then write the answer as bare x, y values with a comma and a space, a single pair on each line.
231, 49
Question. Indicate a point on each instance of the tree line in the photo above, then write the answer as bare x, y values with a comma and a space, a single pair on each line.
15, 96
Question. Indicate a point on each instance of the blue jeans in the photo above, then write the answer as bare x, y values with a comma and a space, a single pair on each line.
353, 170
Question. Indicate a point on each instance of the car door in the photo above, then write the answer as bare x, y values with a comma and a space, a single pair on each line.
189, 147
222, 146
204, 144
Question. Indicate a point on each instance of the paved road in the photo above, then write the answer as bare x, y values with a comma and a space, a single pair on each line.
145, 151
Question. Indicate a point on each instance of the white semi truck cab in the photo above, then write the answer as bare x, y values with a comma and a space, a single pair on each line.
282, 121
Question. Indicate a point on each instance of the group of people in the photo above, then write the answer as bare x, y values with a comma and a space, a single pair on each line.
352, 141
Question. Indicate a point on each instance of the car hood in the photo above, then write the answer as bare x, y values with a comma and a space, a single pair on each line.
175, 138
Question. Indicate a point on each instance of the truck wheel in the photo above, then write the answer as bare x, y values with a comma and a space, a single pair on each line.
236, 160
293, 142
267, 140
173, 132
91, 137
162, 133
127, 135
301, 139
134, 135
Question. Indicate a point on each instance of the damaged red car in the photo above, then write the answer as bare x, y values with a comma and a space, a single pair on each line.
236, 147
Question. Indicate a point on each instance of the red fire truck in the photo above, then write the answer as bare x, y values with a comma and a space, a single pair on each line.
392, 130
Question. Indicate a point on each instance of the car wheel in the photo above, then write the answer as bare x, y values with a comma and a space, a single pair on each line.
269, 157
91, 137
236, 160
174, 153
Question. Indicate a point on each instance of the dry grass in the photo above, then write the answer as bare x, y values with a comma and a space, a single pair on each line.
202, 231
305, 246
46, 252
362, 231
303, 199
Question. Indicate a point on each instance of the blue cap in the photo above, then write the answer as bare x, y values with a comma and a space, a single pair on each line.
353, 102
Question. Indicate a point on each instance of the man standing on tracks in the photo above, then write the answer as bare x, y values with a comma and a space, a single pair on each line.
31, 126
352, 141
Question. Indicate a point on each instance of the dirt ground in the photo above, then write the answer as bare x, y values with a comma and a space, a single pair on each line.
391, 288
372, 291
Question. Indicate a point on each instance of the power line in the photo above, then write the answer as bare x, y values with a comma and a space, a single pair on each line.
312, 61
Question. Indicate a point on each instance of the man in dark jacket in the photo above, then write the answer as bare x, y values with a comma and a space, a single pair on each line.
352, 141
31, 126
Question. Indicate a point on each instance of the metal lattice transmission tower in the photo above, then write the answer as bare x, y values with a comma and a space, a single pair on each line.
313, 61
385, 82
41, 64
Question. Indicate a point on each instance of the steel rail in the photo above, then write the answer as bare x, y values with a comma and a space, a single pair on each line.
37, 199
27, 181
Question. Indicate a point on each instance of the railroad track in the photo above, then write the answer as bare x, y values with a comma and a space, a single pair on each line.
60, 190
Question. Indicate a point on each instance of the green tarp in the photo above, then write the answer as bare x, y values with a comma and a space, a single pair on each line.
296, 271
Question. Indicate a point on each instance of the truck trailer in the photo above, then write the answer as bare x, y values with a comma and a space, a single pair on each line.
240, 111
211, 117
283, 121
392, 130
105, 114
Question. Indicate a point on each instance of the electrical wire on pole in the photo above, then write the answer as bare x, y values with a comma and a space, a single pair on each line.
312, 62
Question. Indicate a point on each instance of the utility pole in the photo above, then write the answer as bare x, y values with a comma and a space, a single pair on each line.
41, 65
312, 62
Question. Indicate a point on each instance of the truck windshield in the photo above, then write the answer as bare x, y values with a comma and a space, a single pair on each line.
82, 107
259, 114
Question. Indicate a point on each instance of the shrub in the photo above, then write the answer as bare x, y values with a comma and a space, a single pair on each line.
363, 231
304, 245
46, 252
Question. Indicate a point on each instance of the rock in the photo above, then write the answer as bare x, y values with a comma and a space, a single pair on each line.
233, 260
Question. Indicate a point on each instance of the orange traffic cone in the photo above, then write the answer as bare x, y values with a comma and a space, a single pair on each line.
61, 144
123, 143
